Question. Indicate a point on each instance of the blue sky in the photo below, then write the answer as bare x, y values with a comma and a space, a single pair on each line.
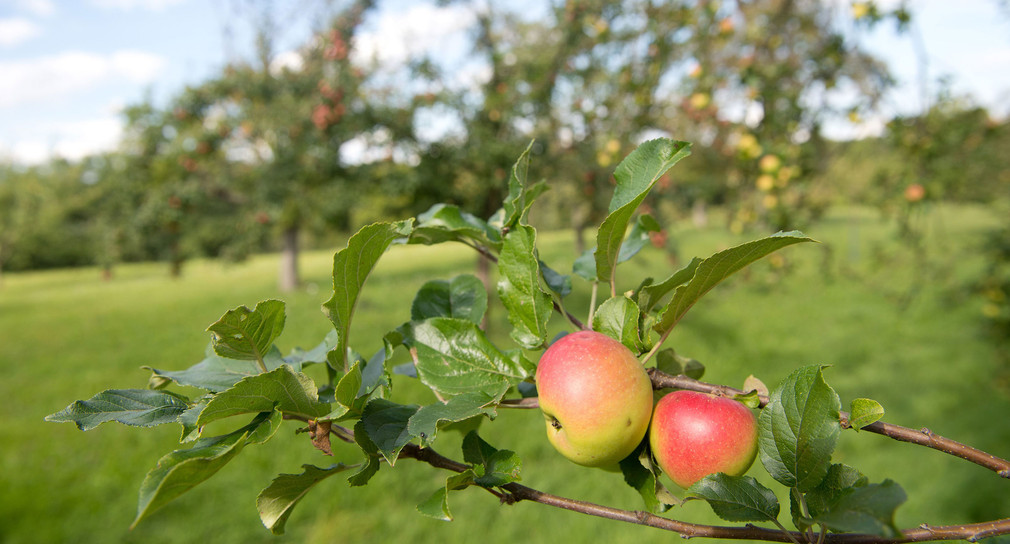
68, 67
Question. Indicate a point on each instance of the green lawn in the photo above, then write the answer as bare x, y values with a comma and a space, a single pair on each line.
901, 330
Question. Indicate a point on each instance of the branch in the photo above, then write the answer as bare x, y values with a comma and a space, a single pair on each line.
517, 492
922, 437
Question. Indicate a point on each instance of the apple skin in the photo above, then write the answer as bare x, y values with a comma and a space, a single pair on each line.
696, 434
596, 398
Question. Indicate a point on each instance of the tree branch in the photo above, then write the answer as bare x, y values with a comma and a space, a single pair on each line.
518, 492
922, 437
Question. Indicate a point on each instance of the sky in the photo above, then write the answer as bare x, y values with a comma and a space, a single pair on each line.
67, 68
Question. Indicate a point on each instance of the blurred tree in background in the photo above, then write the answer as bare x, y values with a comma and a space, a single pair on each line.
289, 145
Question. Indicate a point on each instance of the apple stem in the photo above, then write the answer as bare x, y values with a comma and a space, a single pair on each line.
592, 303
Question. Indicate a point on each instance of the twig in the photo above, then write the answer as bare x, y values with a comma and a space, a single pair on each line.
922, 437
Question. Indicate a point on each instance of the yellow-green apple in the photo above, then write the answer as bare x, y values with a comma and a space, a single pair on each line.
595, 396
696, 434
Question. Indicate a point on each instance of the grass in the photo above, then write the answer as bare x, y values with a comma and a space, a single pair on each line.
897, 327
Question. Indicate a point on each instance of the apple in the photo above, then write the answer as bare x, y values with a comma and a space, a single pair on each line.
696, 434
596, 398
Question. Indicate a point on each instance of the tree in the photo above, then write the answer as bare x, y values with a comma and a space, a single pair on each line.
471, 377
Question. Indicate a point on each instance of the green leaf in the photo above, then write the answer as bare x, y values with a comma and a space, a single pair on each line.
351, 267
462, 297
248, 334
635, 175
640, 473
638, 237
454, 357
278, 500
447, 223
371, 465
650, 294
190, 430
867, 509
519, 199
529, 307
673, 363
215, 373
618, 318
425, 423
862, 412
713, 270
437, 505
798, 429
559, 283
282, 389
585, 265
299, 357
491, 467
135, 407
839, 479
182, 470
385, 424
736, 498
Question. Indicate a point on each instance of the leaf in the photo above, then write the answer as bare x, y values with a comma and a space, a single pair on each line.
640, 473
638, 237
618, 318
491, 467
437, 505
371, 465
529, 307
521, 195
299, 357
182, 470
248, 334
838, 480
282, 389
736, 498
559, 283
454, 357
385, 424
798, 429
190, 430
135, 407
753, 383
351, 267
278, 500
862, 412
635, 176
425, 423
671, 362
650, 294
585, 265
215, 373
462, 297
713, 270
447, 223
867, 509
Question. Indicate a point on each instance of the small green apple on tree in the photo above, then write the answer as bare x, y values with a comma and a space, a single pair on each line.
695, 434
595, 386
595, 396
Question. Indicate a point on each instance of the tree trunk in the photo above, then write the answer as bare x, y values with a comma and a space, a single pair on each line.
288, 278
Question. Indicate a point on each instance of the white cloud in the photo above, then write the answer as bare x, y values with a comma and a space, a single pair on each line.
399, 36
41, 8
129, 5
73, 140
14, 31
59, 76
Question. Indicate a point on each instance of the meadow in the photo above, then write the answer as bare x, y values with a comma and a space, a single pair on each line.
896, 325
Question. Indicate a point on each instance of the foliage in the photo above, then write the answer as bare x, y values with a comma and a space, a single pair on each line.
472, 378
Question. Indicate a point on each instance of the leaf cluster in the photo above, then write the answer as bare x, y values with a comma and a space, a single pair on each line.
244, 374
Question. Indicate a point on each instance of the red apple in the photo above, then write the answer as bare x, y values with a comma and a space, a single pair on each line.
696, 434
595, 396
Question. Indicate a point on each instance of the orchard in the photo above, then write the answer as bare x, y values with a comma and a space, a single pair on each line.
614, 396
